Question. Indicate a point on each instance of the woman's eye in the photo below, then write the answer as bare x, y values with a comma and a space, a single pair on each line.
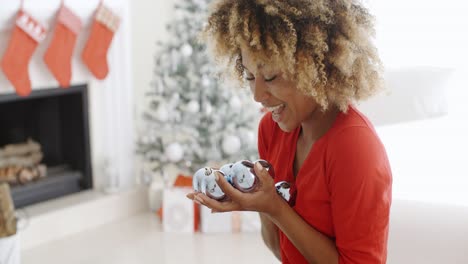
270, 79
249, 77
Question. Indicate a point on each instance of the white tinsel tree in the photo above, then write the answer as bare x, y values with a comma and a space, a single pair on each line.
193, 119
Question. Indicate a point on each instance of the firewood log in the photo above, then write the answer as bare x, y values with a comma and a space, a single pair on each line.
26, 160
9, 174
20, 149
30, 174
22, 175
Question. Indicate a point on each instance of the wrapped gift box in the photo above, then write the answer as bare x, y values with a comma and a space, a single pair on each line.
179, 212
215, 223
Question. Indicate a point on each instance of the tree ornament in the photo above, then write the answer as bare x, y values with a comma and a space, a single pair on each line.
208, 108
231, 144
235, 103
205, 81
249, 137
197, 178
283, 188
162, 114
209, 186
243, 177
193, 107
226, 169
186, 50
174, 152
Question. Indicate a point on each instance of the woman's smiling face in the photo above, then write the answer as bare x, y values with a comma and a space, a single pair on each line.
279, 95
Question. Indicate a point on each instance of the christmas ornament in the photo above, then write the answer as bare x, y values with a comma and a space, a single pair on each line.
94, 55
197, 178
205, 81
227, 171
231, 144
27, 34
59, 53
193, 107
248, 136
208, 108
243, 177
174, 152
162, 114
283, 188
235, 103
209, 186
186, 50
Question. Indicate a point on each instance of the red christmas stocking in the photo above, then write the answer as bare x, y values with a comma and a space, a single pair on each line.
94, 55
59, 53
26, 36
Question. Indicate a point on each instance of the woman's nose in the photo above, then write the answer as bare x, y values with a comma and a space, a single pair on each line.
259, 90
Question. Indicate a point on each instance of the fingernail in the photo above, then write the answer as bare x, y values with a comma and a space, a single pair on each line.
197, 202
258, 166
216, 176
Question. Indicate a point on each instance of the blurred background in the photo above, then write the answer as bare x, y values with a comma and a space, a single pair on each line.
104, 154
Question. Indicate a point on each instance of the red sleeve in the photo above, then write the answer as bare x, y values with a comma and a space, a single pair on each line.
360, 186
264, 130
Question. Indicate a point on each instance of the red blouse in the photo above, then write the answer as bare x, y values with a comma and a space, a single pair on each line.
343, 189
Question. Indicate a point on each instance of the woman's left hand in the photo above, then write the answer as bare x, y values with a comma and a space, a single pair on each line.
263, 199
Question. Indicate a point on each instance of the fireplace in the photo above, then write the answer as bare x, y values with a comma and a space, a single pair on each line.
57, 119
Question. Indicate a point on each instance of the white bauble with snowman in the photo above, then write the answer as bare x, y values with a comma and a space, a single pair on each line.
243, 177
210, 187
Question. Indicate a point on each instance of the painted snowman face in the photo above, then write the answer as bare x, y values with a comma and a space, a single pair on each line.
227, 170
198, 178
209, 186
243, 178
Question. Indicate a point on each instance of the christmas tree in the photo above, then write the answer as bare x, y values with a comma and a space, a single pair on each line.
193, 119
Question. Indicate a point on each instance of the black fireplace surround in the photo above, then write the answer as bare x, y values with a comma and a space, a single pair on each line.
57, 119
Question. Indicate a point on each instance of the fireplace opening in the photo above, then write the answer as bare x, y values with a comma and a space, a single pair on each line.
44, 144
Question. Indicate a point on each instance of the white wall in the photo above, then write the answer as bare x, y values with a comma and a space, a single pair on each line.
149, 19
428, 157
421, 32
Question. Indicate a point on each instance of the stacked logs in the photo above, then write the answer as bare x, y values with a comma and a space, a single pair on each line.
21, 163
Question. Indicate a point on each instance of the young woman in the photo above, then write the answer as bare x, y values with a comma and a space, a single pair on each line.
307, 62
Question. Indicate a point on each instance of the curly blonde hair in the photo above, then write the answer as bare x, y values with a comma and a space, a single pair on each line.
325, 46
